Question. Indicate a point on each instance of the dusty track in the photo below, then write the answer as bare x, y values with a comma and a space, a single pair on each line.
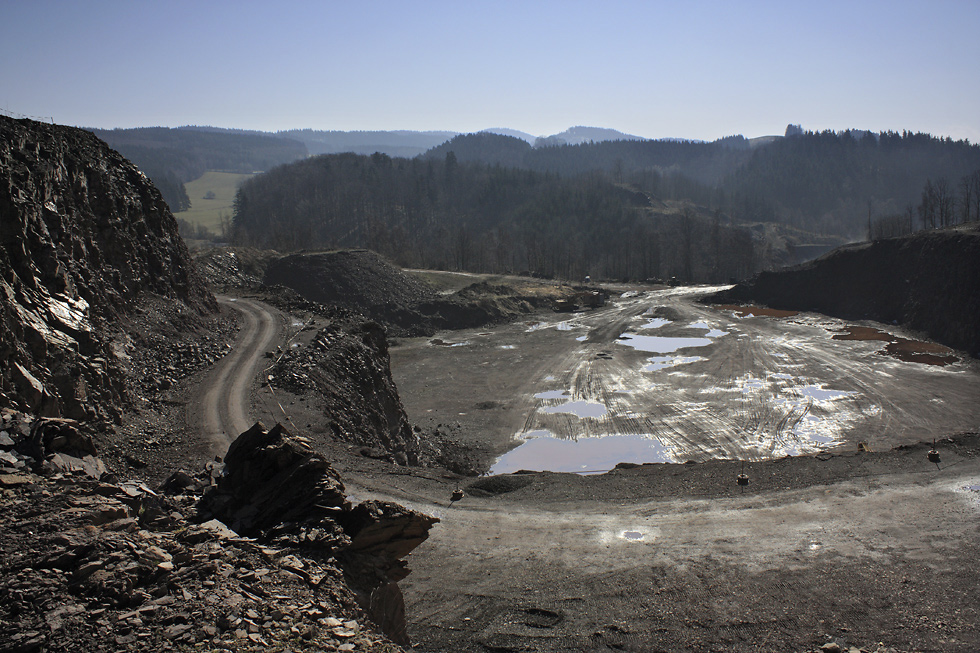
225, 405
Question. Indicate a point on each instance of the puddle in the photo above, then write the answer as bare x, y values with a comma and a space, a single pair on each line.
711, 331
508, 346
633, 536
821, 421
819, 393
753, 311
910, 351
563, 326
582, 338
781, 375
550, 377
580, 409
543, 452
552, 394
751, 383
660, 344
655, 323
442, 343
663, 362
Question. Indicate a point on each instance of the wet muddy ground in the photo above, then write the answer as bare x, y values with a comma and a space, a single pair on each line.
862, 545
658, 377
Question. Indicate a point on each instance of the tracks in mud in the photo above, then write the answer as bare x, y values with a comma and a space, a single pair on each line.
749, 387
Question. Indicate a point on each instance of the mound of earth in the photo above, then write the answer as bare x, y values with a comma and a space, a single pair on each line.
928, 282
357, 279
407, 306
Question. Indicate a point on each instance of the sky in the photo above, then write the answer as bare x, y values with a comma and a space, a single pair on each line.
681, 69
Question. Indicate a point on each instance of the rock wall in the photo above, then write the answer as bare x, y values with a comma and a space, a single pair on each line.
83, 234
928, 282
347, 365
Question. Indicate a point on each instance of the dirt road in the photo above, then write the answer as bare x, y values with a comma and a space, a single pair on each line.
225, 405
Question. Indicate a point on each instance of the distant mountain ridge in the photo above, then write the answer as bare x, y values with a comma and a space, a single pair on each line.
581, 134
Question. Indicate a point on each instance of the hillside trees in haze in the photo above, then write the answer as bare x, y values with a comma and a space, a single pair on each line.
447, 213
817, 181
172, 157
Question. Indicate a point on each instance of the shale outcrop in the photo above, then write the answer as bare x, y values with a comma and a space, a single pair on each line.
276, 488
92, 563
83, 234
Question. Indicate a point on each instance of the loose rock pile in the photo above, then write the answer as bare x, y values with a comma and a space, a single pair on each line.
346, 365
99, 565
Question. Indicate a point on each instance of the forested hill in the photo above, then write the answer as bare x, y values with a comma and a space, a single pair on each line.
470, 216
830, 182
705, 162
171, 157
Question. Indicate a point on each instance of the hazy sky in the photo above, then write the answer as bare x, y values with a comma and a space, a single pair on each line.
685, 68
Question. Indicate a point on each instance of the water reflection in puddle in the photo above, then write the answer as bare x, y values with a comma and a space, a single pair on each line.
711, 331
819, 393
655, 323
663, 362
660, 344
543, 452
580, 409
552, 394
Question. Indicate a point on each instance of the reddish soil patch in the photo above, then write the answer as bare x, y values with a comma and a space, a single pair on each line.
915, 351
745, 311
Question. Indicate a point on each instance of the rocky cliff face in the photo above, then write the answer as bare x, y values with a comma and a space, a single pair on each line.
83, 234
928, 282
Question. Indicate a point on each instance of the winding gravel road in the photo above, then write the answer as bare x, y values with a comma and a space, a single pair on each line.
225, 406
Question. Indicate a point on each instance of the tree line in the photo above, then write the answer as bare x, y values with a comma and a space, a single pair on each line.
444, 213
822, 182
941, 204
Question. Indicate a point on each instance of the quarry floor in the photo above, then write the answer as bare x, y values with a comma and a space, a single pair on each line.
856, 548
869, 549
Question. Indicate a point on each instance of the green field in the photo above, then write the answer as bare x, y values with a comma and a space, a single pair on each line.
209, 212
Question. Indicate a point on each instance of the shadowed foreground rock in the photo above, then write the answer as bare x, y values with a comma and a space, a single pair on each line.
94, 564
277, 489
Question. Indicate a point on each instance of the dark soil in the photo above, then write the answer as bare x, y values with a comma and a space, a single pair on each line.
928, 282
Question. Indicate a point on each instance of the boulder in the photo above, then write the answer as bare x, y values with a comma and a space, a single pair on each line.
277, 489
